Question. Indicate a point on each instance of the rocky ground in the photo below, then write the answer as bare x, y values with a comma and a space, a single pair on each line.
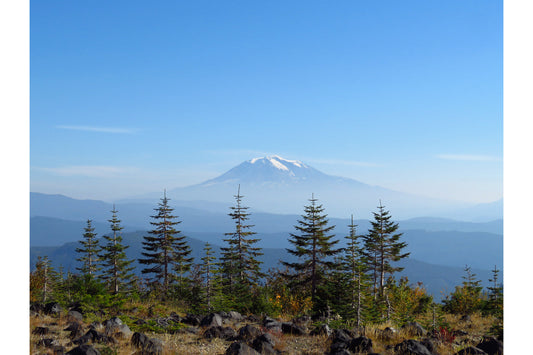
58, 331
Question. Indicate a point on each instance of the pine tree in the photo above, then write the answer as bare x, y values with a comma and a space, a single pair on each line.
466, 298
43, 280
89, 251
315, 247
354, 265
239, 264
382, 246
165, 251
117, 270
208, 268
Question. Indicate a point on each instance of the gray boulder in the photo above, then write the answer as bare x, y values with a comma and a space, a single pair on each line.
361, 345
211, 320
491, 346
291, 328
414, 328
411, 347
248, 332
240, 349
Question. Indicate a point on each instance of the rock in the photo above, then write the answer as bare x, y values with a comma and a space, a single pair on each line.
491, 346
240, 349
471, 351
139, 340
428, 344
48, 342
264, 344
115, 327
226, 333
74, 316
253, 318
272, 325
75, 329
52, 308
95, 337
211, 320
340, 341
248, 332
174, 317
322, 329
40, 331
235, 316
414, 328
291, 328
153, 347
411, 347
97, 326
192, 319
361, 345
37, 307
84, 350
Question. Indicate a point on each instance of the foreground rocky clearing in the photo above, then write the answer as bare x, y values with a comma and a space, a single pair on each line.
57, 331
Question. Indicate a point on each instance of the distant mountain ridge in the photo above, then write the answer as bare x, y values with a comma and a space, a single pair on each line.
436, 278
277, 185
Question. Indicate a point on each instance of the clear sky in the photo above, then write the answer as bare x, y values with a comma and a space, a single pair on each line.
128, 97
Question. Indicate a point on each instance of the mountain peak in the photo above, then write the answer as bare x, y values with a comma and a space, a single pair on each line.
278, 162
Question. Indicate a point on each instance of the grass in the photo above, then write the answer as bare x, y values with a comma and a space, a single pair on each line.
188, 343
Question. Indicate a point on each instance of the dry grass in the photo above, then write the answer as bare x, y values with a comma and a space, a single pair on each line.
187, 343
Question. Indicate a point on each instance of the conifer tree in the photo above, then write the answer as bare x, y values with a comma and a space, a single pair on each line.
314, 246
354, 265
208, 268
117, 270
89, 251
466, 298
239, 264
43, 280
382, 246
165, 250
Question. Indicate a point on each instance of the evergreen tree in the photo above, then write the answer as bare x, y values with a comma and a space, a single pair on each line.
354, 265
89, 251
117, 270
208, 268
314, 246
165, 250
466, 298
43, 281
240, 266
382, 246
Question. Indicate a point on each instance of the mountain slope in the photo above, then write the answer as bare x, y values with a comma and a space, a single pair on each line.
274, 184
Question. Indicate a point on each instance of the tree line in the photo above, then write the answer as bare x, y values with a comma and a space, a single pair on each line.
355, 282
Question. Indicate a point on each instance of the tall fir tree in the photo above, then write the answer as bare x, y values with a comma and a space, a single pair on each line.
239, 260
164, 249
354, 265
117, 269
208, 269
89, 251
382, 247
315, 247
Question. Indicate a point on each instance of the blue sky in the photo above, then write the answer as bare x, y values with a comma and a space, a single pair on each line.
130, 97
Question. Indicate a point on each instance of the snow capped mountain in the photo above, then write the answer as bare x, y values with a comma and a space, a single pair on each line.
278, 185
269, 170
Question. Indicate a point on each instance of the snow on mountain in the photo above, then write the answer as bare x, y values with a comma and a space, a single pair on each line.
278, 185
